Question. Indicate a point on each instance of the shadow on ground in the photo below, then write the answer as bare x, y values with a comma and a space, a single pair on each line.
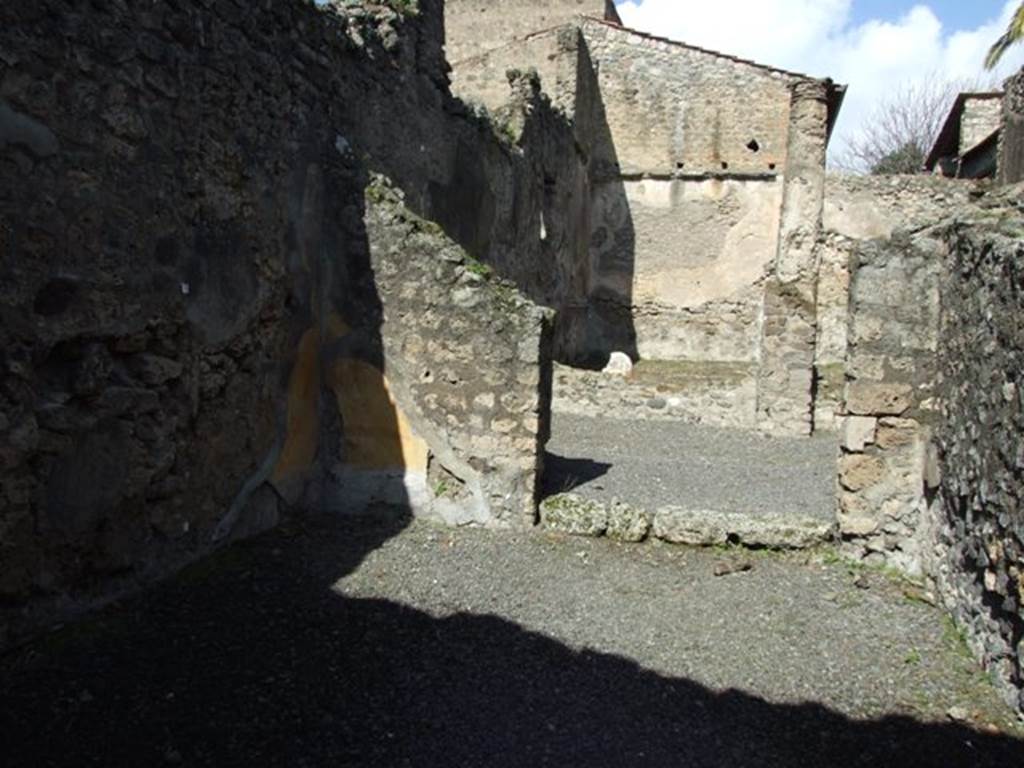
562, 474
252, 659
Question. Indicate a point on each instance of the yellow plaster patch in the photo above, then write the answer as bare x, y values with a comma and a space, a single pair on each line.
303, 423
377, 434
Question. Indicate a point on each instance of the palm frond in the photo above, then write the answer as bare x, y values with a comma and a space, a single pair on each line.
1014, 34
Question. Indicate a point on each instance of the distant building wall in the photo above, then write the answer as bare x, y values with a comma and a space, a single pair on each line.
981, 117
474, 27
696, 143
671, 107
687, 169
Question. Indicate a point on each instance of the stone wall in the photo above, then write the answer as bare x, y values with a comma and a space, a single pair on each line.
467, 378
785, 381
981, 117
979, 518
553, 54
672, 107
889, 403
717, 394
859, 209
475, 27
1011, 140
215, 312
931, 448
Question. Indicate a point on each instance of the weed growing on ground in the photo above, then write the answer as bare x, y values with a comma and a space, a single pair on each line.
955, 637
478, 268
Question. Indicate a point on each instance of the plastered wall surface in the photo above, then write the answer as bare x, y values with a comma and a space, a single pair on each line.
731, 236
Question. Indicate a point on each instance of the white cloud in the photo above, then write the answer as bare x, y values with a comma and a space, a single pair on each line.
819, 38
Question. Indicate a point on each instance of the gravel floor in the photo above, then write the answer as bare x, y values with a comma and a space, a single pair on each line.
369, 645
653, 464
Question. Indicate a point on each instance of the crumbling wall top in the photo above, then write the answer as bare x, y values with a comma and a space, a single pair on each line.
474, 27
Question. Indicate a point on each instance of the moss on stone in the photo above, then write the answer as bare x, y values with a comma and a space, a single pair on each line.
831, 377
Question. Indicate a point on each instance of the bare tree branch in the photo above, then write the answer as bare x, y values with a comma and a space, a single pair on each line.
901, 130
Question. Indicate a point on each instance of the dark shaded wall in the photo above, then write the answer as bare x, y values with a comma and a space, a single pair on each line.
981, 519
201, 246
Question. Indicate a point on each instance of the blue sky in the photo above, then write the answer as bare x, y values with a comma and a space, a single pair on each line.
955, 14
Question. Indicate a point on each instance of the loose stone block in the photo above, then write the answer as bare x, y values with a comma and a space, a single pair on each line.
858, 471
853, 525
768, 530
693, 527
896, 433
572, 514
627, 523
858, 432
871, 398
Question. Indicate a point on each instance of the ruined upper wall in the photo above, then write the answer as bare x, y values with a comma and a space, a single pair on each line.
473, 27
555, 55
672, 108
868, 207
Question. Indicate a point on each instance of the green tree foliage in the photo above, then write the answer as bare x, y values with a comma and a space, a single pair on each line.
907, 159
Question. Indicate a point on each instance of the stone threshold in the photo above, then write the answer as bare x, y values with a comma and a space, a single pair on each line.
578, 516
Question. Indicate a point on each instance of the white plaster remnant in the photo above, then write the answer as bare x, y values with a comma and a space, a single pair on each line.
619, 364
